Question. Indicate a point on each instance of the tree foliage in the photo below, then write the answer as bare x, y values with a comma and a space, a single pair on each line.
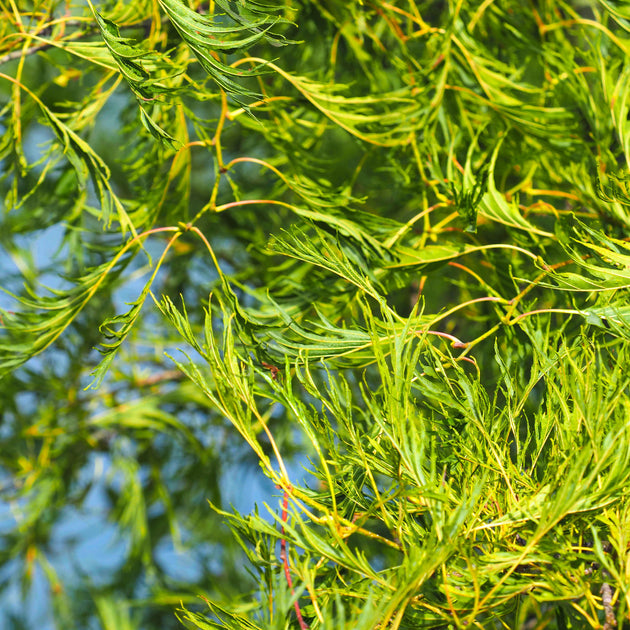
372, 255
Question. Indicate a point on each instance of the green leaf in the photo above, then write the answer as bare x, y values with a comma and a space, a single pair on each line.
208, 40
131, 60
44, 318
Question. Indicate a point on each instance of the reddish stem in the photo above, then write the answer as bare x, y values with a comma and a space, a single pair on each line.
285, 560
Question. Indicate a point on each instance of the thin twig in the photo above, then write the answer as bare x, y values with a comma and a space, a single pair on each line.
90, 29
16, 54
285, 560
160, 377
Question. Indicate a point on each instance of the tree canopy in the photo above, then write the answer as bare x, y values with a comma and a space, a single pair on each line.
314, 314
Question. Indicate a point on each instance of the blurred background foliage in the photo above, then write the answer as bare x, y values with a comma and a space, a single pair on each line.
412, 218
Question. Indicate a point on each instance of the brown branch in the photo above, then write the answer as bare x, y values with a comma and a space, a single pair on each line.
45, 30
160, 377
16, 54
91, 29
611, 621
